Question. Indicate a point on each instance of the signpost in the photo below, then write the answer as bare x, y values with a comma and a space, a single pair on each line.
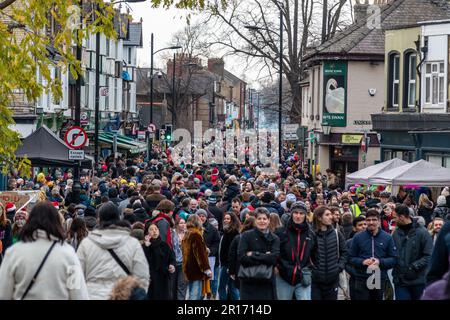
84, 120
151, 128
76, 154
76, 137
290, 131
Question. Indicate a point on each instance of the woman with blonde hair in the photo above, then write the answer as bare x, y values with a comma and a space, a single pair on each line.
195, 258
275, 222
425, 208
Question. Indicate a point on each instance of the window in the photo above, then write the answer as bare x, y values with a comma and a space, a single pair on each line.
129, 55
57, 71
394, 80
116, 94
409, 91
434, 83
86, 89
107, 47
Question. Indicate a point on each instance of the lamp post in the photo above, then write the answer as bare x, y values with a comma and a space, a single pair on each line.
280, 83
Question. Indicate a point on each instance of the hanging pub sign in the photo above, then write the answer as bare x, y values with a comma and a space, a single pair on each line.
335, 93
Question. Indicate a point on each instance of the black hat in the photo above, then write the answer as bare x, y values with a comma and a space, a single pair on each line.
90, 212
300, 206
109, 212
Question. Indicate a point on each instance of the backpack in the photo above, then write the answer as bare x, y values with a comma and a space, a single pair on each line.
169, 231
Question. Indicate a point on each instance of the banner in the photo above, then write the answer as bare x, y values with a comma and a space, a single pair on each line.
335, 93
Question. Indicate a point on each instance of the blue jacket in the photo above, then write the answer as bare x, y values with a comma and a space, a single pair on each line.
383, 247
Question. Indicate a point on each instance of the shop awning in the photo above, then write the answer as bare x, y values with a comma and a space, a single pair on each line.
123, 142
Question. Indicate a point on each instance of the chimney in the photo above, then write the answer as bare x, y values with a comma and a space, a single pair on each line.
360, 10
217, 66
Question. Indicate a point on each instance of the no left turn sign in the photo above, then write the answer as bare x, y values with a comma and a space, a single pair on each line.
75, 137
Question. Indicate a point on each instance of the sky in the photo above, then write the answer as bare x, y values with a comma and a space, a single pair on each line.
164, 23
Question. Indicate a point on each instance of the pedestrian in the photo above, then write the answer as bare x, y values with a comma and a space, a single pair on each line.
5, 232
20, 218
359, 225
371, 251
441, 209
336, 212
231, 227
41, 266
258, 248
233, 259
435, 228
275, 222
179, 283
294, 265
414, 247
212, 239
77, 232
109, 253
328, 257
161, 260
162, 217
195, 259
440, 289
425, 208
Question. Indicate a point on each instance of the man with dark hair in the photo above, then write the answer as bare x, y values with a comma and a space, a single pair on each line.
345, 204
337, 219
372, 253
124, 203
155, 197
414, 246
358, 207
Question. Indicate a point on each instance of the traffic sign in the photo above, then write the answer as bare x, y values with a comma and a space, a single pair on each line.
151, 128
104, 92
76, 154
84, 118
76, 137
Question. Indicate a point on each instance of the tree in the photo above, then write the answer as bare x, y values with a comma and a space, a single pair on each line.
260, 46
36, 36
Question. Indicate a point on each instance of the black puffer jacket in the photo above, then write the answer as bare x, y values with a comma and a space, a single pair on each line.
327, 263
296, 244
441, 212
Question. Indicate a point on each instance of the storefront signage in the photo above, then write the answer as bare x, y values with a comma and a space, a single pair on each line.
335, 93
351, 138
362, 122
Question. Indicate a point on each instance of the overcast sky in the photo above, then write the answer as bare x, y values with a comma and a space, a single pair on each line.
164, 23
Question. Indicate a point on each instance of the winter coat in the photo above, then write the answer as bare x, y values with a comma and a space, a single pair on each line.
274, 207
164, 224
348, 228
212, 238
258, 243
426, 212
61, 277
195, 256
384, 250
154, 199
159, 257
224, 246
328, 256
414, 253
439, 264
218, 214
441, 212
101, 270
233, 260
296, 244
141, 215
166, 193
232, 191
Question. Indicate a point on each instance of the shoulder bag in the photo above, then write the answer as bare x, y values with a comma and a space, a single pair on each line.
33, 280
256, 273
343, 280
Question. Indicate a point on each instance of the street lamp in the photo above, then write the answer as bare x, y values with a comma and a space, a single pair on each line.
280, 84
151, 71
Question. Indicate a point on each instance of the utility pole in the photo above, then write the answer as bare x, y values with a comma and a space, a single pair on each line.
151, 78
173, 89
280, 90
97, 93
77, 114
324, 20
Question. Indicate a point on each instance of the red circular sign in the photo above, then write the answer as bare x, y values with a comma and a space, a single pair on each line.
76, 137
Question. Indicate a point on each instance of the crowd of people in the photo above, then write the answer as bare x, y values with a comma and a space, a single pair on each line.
141, 229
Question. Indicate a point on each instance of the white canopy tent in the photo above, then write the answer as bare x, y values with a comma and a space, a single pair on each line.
420, 173
362, 176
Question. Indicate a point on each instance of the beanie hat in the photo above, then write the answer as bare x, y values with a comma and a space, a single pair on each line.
299, 206
55, 204
10, 207
90, 212
215, 172
208, 193
201, 212
267, 197
109, 212
441, 201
